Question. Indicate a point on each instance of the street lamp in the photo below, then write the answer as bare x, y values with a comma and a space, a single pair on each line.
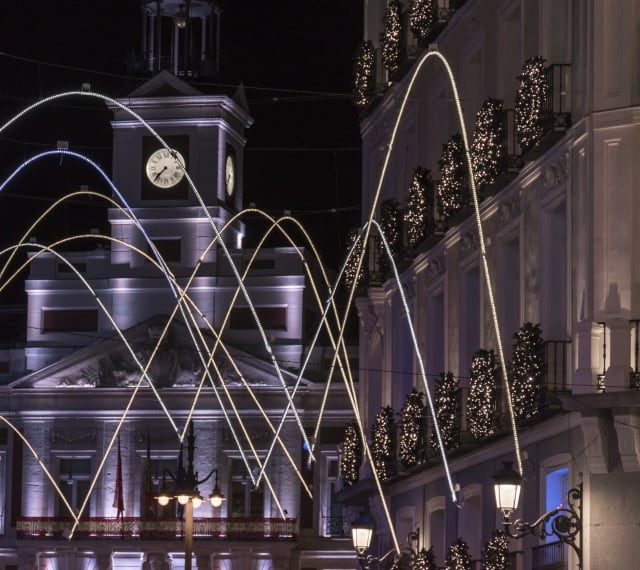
188, 495
563, 522
361, 536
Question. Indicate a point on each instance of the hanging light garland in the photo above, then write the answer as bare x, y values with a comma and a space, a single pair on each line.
451, 190
412, 440
422, 18
392, 37
481, 402
527, 369
418, 212
447, 403
495, 554
364, 79
488, 146
458, 557
382, 442
533, 91
351, 457
391, 226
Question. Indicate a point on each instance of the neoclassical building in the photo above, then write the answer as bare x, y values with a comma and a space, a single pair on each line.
557, 181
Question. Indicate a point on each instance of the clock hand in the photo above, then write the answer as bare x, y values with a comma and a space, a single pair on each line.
159, 173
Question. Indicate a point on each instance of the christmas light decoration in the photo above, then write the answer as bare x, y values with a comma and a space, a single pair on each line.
351, 457
392, 37
391, 226
447, 404
481, 402
458, 556
422, 17
364, 79
495, 554
412, 440
418, 212
488, 149
527, 369
532, 93
351, 265
382, 442
425, 560
451, 190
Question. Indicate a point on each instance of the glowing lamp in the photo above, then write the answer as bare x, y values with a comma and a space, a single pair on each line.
507, 484
183, 499
216, 497
163, 500
362, 533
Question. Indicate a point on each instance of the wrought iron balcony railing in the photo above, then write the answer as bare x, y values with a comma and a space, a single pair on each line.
159, 529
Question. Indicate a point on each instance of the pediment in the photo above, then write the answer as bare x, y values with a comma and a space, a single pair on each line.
164, 84
171, 362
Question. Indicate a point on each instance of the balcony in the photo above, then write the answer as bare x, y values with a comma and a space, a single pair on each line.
270, 529
550, 556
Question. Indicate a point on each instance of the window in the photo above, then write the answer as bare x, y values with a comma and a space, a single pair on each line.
272, 318
556, 489
436, 526
160, 479
333, 523
66, 320
246, 501
74, 479
169, 249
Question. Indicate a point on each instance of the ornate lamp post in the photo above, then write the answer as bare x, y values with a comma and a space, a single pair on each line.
563, 522
362, 534
188, 495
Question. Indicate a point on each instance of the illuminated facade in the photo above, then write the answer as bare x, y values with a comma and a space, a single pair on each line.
103, 337
561, 247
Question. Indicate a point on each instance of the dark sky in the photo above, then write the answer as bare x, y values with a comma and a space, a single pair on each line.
294, 58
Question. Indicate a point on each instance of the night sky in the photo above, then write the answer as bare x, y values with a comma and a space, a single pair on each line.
293, 57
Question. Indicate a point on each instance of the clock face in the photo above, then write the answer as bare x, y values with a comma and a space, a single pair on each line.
163, 169
230, 175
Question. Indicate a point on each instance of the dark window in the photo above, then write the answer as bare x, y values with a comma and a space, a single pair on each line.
61, 320
4, 366
169, 249
272, 318
263, 264
65, 268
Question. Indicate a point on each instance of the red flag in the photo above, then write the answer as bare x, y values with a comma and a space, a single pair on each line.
118, 498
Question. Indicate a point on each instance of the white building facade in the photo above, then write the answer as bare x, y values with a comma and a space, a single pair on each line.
561, 248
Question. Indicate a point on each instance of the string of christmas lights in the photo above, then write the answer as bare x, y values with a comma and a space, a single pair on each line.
481, 401
382, 442
351, 457
487, 149
495, 554
527, 369
451, 190
532, 93
458, 557
392, 37
447, 403
422, 17
418, 212
364, 79
412, 441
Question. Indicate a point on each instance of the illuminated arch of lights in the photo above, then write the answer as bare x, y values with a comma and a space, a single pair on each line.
187, 306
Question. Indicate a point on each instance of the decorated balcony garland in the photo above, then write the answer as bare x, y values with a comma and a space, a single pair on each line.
488, 149
452, 192
529, 102
425, 560
481, 402
422, 18
391, 226
351, 457
526, 371
382, 442
418, 212
495, 554
352, 264
412, 441
364, 79
458, 557
447, 404
392, 37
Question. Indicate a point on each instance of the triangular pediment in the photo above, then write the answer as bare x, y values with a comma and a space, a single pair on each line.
164, 84
111, 363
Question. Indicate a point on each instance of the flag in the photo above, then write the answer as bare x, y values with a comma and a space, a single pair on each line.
118, 498
180, 479
148, 483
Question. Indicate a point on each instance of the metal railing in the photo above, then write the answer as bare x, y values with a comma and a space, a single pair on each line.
159, 529
550, 556
556, 109
336, 526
